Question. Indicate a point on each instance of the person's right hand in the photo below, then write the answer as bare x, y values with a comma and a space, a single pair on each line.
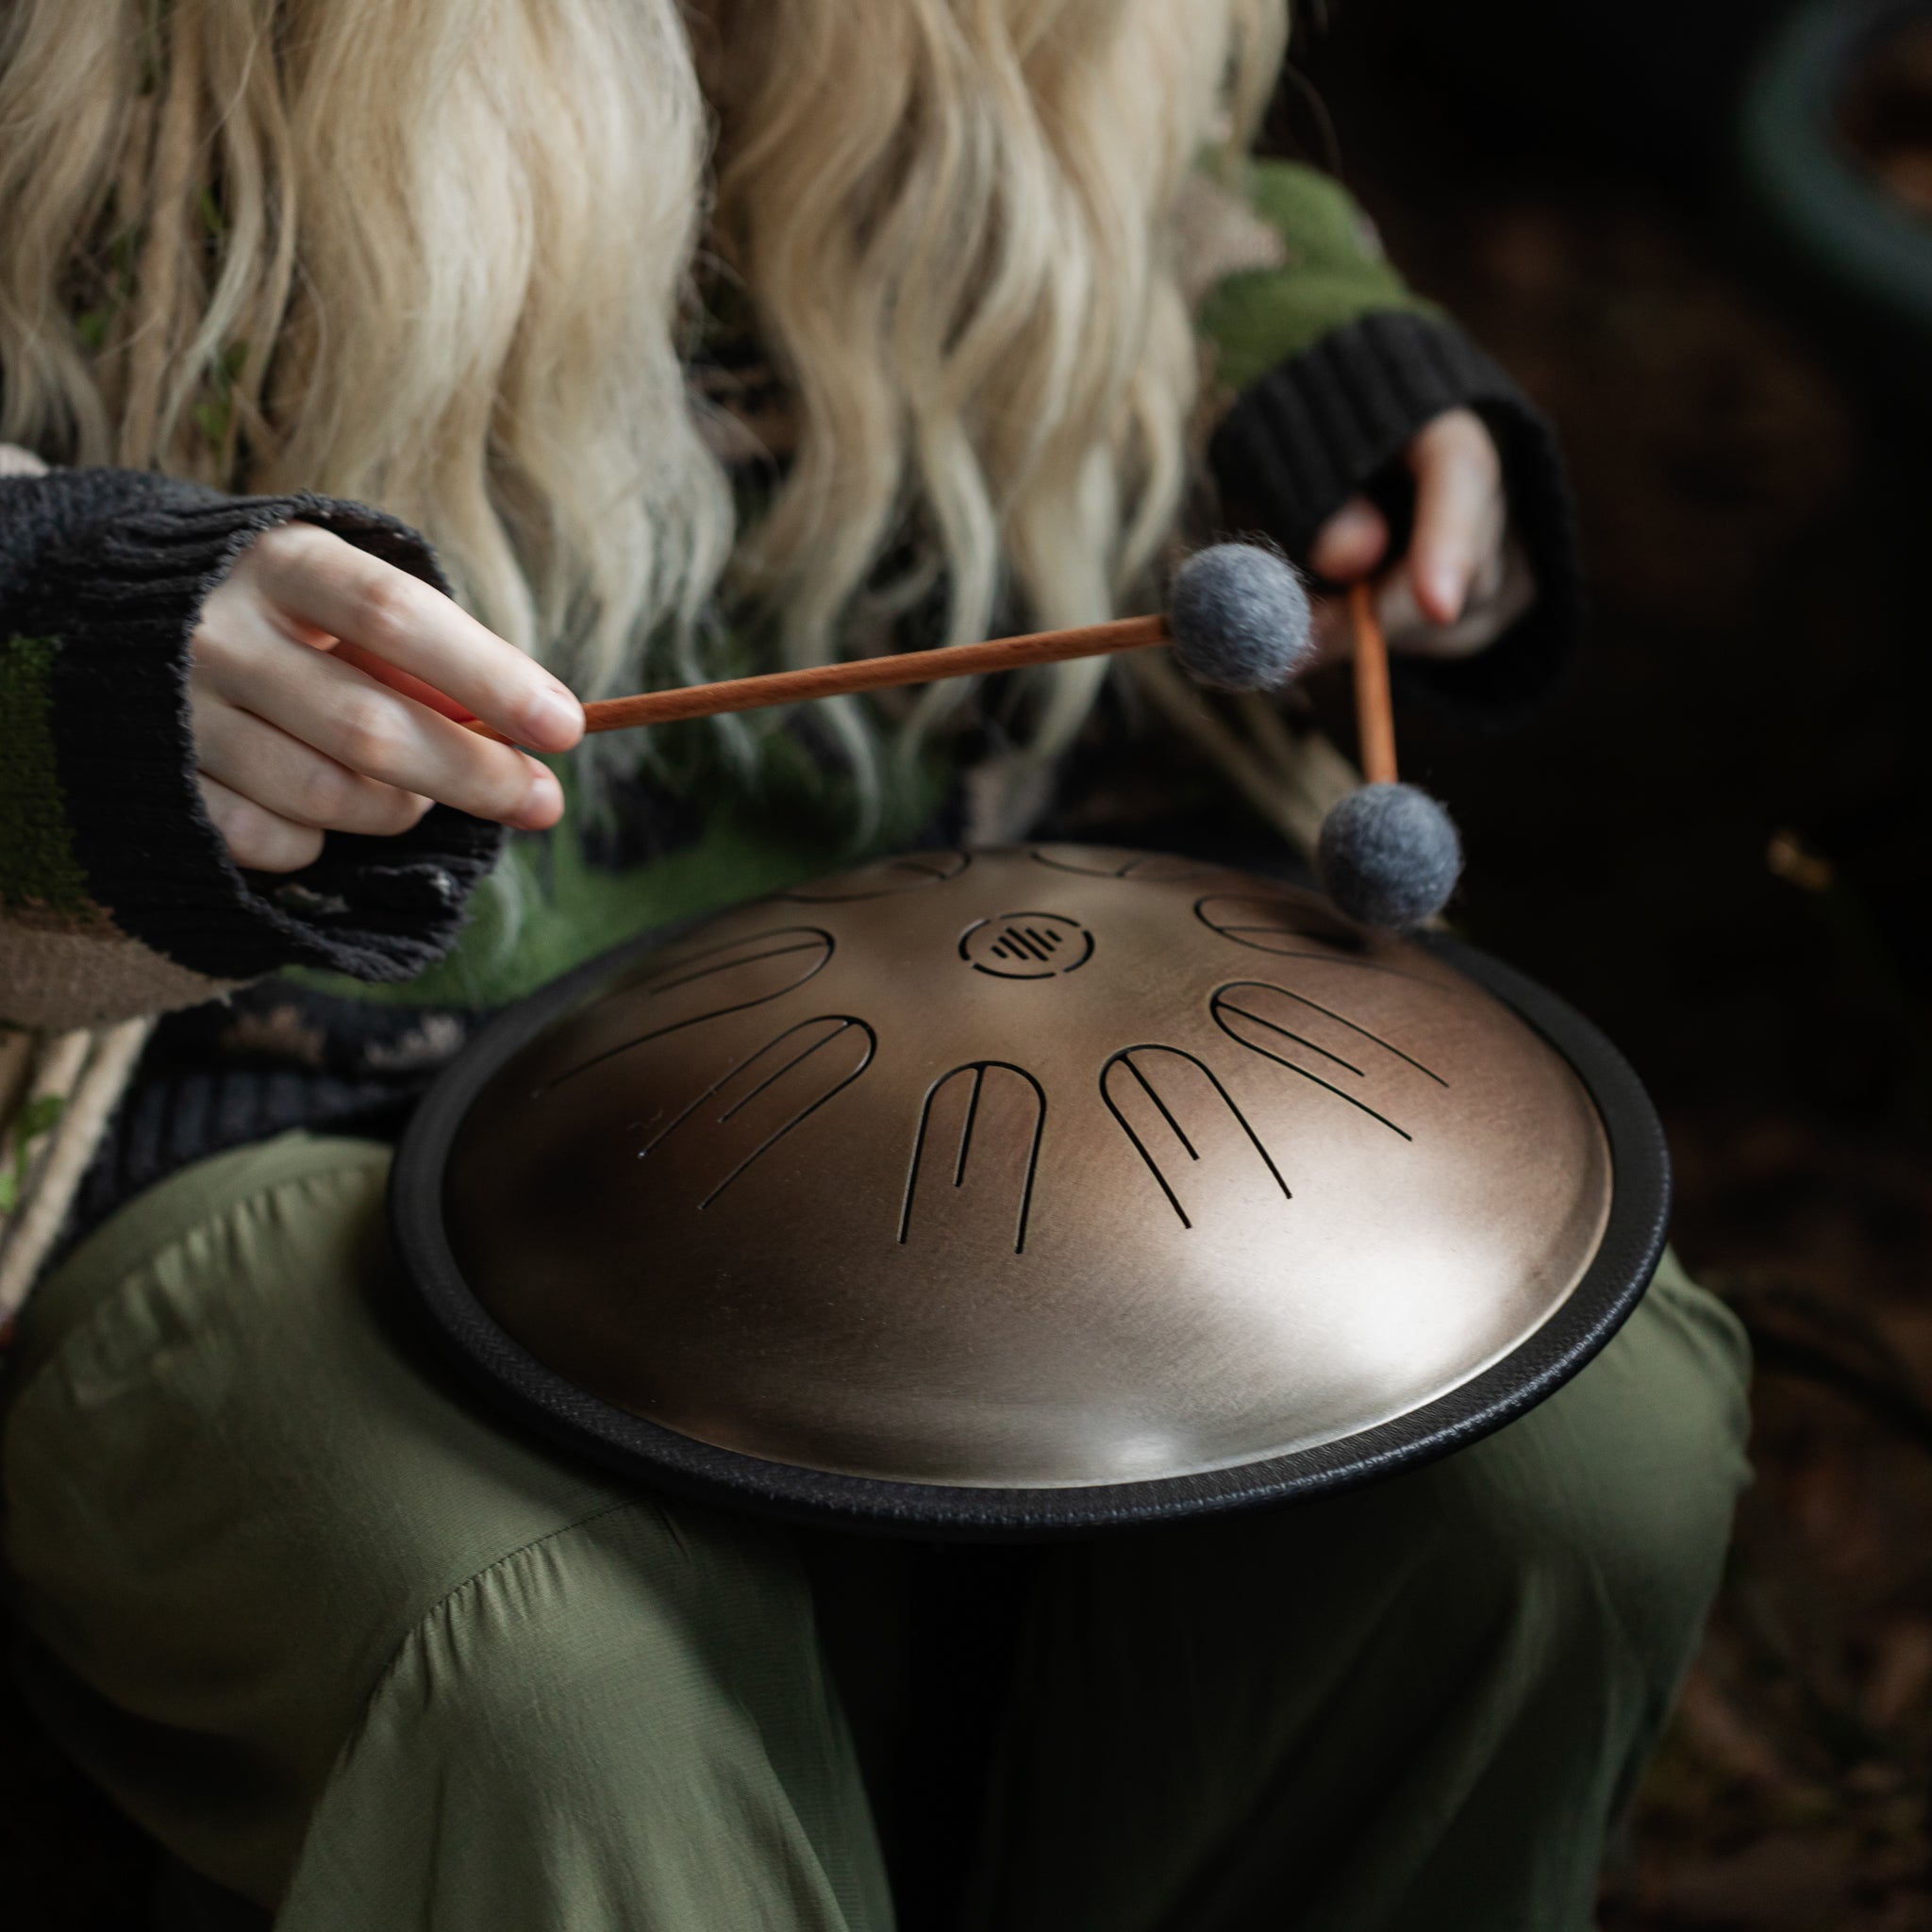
323, 688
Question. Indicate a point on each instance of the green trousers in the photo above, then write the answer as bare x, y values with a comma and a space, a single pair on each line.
352, 1649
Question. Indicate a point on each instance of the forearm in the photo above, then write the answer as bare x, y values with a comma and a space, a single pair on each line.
117, 894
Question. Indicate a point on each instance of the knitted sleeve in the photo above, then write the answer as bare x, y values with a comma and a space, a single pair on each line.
117, 894
1324, 366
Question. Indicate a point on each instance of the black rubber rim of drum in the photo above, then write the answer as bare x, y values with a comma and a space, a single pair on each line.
661, 1458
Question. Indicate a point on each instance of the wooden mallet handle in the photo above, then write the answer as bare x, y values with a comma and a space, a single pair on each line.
865, 673
1374, 716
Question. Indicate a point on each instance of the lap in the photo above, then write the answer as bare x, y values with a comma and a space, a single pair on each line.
233, 1497
240, 1510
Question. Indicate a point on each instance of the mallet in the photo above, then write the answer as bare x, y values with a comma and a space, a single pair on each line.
1389, 854
1237, 619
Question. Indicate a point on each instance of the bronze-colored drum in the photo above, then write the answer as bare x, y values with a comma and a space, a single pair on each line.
1027, 1190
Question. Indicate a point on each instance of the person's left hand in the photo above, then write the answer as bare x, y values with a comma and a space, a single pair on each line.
1465, 579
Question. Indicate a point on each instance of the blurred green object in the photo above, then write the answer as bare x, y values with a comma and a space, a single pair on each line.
1863, 253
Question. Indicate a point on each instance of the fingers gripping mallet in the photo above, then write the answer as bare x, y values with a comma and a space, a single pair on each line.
1239, 620
1388, 855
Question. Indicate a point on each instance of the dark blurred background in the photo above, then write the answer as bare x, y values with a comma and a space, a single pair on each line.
1701, 237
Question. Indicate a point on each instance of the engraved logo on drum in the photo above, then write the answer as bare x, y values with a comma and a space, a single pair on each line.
1026, 945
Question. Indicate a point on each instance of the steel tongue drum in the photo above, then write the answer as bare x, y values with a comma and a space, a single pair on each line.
1030, 1192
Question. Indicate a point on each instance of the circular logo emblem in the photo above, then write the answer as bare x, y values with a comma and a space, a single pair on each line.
1026, 945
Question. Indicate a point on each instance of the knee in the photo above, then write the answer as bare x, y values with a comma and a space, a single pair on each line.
646, 1620
1613, 1501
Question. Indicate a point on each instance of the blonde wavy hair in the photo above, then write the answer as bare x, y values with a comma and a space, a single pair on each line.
442, 254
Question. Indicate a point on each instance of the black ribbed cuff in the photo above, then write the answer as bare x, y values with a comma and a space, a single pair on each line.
1332, 420
124, 595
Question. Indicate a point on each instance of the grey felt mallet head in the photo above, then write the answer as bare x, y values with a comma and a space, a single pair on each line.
1389, 856
1240, 618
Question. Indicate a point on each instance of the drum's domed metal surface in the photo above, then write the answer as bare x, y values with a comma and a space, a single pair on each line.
1039, 1186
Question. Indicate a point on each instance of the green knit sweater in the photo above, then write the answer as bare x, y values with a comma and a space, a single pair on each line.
344, 984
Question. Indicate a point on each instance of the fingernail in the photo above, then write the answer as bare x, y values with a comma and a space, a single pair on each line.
542, 803
555, 720
1448, 592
